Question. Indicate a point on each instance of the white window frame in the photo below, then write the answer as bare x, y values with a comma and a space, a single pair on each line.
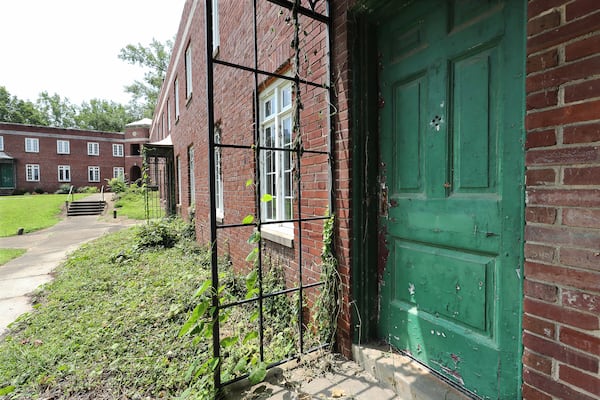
32, 172
32, 145
1, 143
276, 166
176, 95
188, 71
168, 116
93, 148
191, 177
94, 173
119, 173
219, 200
63, 147
64, 173
215, 24
118, 150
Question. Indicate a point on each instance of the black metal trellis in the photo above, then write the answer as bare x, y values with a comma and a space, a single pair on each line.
296, 9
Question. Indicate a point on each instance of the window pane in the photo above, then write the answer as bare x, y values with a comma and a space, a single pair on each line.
286, 97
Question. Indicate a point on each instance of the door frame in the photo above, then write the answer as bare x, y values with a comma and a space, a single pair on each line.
369, 252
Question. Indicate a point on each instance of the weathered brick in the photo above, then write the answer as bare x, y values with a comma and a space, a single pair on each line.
582, 280
582, 258
537, 362
542, 61
587, 218
555, 77
568, 114
540, 291
538, 252
563, 33
584, 133
540, 138
539, 326
550, 386
587, 382
540, 177
582, 176
581, 300
543, 99
580, 91
580, 8
542, 215
582, 341
531, 393
537, 7
566, 197
560, 352
557, 313
582, 48
543, 23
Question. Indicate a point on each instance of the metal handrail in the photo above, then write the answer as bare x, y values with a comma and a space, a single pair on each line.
70, 195
102, 192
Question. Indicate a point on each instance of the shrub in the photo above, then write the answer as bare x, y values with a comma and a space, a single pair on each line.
164, 233
65, 188
87, 189
116, 185
38, 190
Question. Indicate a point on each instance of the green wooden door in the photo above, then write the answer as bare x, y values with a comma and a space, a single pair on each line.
451, 130
7, 176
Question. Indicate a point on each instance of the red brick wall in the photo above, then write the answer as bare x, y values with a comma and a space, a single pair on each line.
48, 159
562, 251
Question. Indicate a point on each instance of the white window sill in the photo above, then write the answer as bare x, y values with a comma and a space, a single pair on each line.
282, 234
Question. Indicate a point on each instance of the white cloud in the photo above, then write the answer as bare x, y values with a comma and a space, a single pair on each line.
70, 47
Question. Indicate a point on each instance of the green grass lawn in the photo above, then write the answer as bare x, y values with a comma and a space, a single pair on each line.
132, 204
8, 254
31, 212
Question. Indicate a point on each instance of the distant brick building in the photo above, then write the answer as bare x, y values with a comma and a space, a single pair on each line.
466, 173
44, 158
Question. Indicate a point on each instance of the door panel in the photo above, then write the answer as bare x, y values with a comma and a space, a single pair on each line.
452, 163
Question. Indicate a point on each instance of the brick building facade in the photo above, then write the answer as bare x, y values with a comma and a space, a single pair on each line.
44, 158
507, 235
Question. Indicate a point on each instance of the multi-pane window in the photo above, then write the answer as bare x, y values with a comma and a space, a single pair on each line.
168, 116
276, 162
218, 176
32, 145
63, 147
64, 173
188, 71
176, 95
94, 174
1, 143
191, 177
119, 173
93, 148
117, 150
32, 172
178, 180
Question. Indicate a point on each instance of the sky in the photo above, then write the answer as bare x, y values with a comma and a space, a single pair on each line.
71, 47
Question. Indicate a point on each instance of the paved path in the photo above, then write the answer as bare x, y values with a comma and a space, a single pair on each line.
46, 249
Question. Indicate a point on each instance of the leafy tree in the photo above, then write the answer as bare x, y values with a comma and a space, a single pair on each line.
59, 111
155, 59
102, 115
19, 111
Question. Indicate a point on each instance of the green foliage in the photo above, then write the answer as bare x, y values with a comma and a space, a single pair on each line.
164, 233
64, 189
102, 115
30, 212
106, 327
87, 189
8, 254
117, 185
19, 111
155, 59
58, 111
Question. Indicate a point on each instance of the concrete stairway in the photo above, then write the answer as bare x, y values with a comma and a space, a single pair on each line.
86, 207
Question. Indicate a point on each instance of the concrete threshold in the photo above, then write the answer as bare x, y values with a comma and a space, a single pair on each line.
406, 377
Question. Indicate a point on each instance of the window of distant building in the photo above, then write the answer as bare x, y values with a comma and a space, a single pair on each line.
93, 149
188, 72
168, 116
276, 165
178, 180
32, 172
215, 23
64, 173
94, 174
117, 150
191, 177
220, 211
63, 147
32, 145
176, 95
1, 143
119, 173
135, 149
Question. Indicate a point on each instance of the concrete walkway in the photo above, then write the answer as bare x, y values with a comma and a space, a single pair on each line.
46, 249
